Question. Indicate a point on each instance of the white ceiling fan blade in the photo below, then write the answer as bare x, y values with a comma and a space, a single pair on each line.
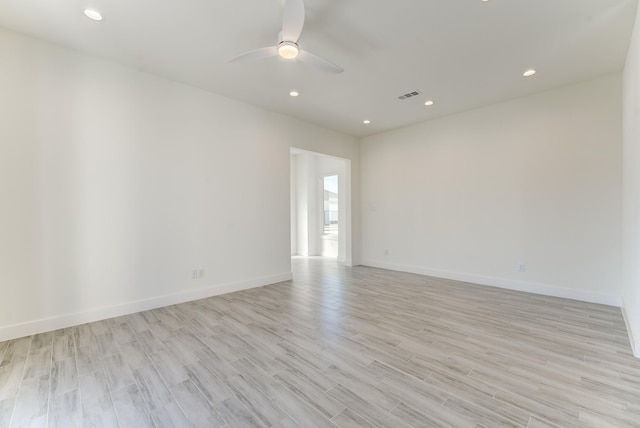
292, 20
256, 54
318, 62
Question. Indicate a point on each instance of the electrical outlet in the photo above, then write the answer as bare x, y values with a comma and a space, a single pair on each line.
194, 274
201, 273
522, 267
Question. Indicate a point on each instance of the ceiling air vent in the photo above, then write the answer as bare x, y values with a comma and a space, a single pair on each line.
409, 95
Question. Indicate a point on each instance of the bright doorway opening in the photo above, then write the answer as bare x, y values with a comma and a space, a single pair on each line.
320, 206
330, 216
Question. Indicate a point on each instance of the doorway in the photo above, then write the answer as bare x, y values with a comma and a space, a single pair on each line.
320, 206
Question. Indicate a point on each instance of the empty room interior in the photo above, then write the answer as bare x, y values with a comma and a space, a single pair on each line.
320, 213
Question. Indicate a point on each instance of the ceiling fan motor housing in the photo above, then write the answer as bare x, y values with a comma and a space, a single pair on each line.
288, 50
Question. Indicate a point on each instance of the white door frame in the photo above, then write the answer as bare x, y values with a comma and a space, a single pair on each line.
344, 199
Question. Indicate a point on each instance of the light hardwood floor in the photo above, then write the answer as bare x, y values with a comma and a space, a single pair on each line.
337, 346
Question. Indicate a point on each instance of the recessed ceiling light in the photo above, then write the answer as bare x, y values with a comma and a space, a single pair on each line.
366, 122
529, 73
428, 103
93, 14
294, 93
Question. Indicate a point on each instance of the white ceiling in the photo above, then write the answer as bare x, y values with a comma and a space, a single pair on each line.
460, 53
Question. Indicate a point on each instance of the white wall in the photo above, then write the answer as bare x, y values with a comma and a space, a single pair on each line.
306, 205
631, 172
534, 180
115, 184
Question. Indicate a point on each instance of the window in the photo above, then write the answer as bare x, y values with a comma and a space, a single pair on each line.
330, 186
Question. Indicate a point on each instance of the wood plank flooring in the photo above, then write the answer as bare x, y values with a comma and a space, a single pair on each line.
337, 346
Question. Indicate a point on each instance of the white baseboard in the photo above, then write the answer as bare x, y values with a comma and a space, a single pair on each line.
635, 345
529, 287
69, 320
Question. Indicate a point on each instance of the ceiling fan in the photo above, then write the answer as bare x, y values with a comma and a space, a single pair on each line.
287, 47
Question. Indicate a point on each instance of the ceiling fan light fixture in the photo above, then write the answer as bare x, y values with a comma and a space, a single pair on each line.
287, 47
288, 50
